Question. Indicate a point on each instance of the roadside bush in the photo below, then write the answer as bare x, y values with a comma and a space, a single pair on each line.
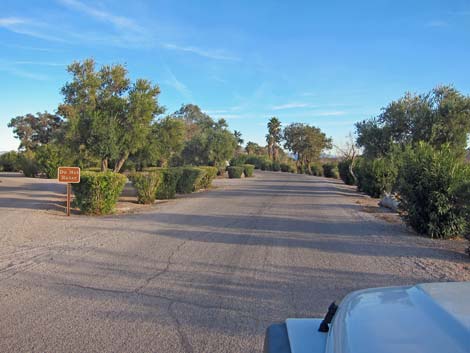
433, 189
258, 162
98, 193
235, 172
146, 184
239, 160
49, 158
248, 170
169, 179
345, 173
376, 177
221, 171
28, 165
266, 165
316, 170
330, 170
275, 166
209, 176
284, 167
10, 162
190, 180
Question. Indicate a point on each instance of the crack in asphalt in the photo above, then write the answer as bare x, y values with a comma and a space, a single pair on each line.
165, 270
184, 341
162, 297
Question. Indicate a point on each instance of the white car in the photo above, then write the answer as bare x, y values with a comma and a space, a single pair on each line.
431, 318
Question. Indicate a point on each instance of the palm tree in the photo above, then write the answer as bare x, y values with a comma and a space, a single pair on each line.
273, 138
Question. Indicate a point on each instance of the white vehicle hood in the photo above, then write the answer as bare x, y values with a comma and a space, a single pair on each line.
431, 318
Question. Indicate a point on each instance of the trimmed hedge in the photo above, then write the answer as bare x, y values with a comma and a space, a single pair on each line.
316, 170
169, 179
190, 180
248, 170
275, 166
235, 172
330, 170
209, 176
98, 193
146, 184
434, 191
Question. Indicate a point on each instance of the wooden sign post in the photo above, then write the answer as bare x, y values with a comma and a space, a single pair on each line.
69, 175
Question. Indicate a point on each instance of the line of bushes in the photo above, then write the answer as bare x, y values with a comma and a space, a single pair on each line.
98, 192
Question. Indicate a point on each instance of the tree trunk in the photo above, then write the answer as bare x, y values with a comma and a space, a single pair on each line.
120, 162
104, 164
351, 169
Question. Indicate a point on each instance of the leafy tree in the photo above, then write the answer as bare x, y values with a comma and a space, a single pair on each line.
35, 130
105, 113
273, 138
207, 141
255, 149
306, 142
439, 117
169, 134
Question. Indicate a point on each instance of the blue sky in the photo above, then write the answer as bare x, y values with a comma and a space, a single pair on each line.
329, 64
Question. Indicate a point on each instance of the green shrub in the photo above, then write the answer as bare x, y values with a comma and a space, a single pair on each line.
221, 171
49, 158
235, 172
266, 165
258, 162
316, 170
146, 184
98, 193
239, 160
376, 177
28, 165
248, 170
209, 176
284, 167
275, 166
190, 180
433, 190
10, 162
345, 173
330, 170
169, 180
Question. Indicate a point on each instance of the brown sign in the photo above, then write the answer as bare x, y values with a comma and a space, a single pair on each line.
68, 175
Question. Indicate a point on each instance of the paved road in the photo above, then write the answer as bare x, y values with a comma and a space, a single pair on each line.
202, 274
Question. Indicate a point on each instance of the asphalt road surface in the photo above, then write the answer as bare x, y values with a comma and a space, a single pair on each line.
206, 273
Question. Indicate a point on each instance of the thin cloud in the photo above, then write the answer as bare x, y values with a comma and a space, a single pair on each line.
330, 113
24, 74
437, 23
212, 54
120, 22
10, 21
27, 27
39, 63
178, 85
293, 105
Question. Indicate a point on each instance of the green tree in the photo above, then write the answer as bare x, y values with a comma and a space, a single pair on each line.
306, 142
35, 130
169, 135
207, 141
440, 117
106, 114
273, 138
